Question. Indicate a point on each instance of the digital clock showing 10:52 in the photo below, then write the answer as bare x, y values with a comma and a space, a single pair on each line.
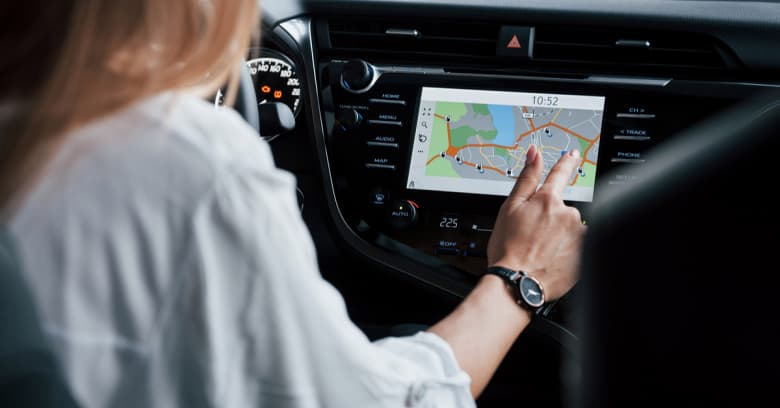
540, 100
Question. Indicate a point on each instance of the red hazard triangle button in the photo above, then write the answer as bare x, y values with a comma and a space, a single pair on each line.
515, 41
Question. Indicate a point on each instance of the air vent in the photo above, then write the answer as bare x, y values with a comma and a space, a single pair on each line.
556, 47
436, 38
593, 46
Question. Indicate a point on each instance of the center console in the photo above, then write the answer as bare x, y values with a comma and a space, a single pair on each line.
422, 158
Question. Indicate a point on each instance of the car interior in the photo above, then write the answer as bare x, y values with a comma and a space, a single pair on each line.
393, 115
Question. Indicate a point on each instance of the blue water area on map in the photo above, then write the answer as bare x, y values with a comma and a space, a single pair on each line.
504, 121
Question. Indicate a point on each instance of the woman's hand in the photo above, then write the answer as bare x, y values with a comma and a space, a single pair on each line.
535, 231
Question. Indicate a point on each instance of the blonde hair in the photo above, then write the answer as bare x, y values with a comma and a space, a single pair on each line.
73, 61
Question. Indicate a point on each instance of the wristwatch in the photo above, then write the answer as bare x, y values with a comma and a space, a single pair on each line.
528, 291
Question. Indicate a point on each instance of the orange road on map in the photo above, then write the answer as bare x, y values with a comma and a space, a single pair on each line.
453, 151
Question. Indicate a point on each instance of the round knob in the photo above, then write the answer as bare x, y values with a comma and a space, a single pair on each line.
357, 75
349, 119
402, 214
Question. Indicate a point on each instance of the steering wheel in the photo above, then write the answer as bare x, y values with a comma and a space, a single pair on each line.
246, 100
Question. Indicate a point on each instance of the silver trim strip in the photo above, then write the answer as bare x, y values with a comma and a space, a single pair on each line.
380, 166
387, 101
620, 160
635, 115
631, 138
382, 144
401, 32
609, 79
633, 43
385, 122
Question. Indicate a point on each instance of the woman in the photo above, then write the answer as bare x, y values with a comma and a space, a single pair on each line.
149, 228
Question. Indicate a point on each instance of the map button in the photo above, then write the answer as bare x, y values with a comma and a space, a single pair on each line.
381, 160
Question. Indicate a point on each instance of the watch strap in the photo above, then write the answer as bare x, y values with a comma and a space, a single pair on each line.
506, 273
512, 278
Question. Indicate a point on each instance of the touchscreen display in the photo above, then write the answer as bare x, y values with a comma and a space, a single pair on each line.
473, 141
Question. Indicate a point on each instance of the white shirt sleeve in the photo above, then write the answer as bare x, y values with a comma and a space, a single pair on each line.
298, 347
172, 268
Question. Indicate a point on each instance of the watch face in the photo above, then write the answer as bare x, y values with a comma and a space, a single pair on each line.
531, 291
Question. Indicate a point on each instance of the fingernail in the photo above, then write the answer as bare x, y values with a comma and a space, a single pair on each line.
530, 156
574, 153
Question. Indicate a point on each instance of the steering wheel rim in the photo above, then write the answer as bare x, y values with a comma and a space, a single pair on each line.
246, 99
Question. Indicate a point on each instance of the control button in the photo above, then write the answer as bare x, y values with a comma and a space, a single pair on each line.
622, 179
349, 119
633, 134
636, 112
384, 139
382, 101
388, 116
382, 144
446, 247
516, 41
628, 157
381, 160
357, 76
385, 122
378, 197
381, 156
402, 214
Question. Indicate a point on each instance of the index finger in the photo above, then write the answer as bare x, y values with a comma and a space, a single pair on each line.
560, 174
528, 181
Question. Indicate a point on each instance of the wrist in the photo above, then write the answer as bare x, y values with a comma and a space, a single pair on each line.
498, 289
513, 264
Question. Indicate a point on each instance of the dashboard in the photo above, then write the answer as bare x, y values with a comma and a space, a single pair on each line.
413, 119
418, 114
421, 118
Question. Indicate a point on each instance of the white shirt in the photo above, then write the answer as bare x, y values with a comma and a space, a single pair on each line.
172, 268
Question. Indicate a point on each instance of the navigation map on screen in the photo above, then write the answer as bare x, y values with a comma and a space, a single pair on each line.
474, 141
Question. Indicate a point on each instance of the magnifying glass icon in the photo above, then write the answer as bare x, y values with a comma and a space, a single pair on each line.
424, 124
